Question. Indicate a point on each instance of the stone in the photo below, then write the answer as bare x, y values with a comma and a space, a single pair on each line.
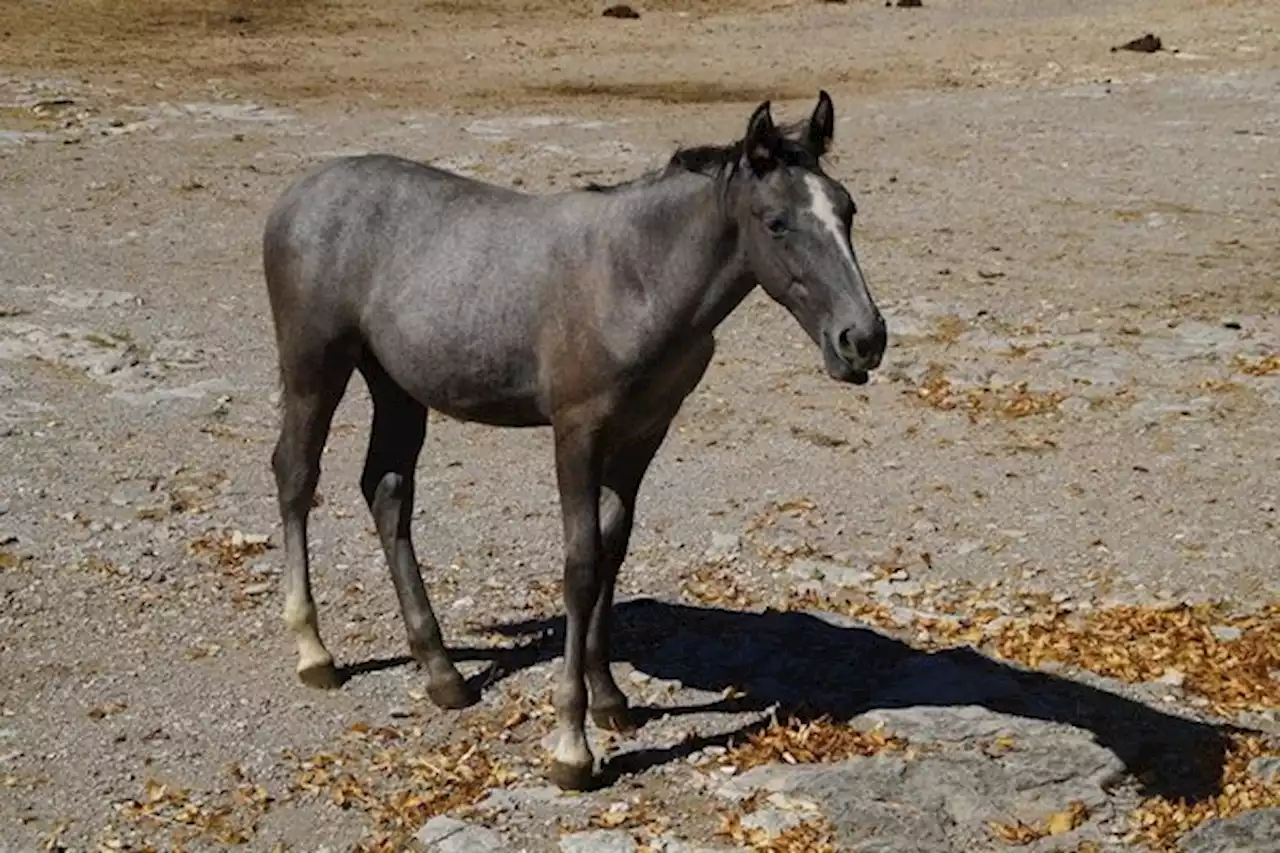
1226, 633
941, 800
445, 834
772, 822
598, 841
81, 300
1251, 832
724, 546
830, 573
1266, 769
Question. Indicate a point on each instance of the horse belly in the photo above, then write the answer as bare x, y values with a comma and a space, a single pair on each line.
480, 378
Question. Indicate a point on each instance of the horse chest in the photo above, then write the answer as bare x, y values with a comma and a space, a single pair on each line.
652, 400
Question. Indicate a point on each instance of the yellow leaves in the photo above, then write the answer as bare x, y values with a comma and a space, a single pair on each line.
718, 585
1010, 401
102, 711
800, 742
1266, 365
228, 818
1160, 822
399, 787
813, 836
1062, 822
1142, 644
1018, 833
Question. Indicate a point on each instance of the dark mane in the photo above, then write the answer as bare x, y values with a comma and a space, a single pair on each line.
719, 161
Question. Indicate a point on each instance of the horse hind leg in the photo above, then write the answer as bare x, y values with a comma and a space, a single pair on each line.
310, 396
395, 442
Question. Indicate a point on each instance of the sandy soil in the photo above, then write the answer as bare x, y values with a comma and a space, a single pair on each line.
1076, 250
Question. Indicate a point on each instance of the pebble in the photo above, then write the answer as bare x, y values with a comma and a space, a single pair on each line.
449, 835
598, 841
1226, 633
724, 546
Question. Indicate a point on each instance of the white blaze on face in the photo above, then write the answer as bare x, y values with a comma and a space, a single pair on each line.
822, 207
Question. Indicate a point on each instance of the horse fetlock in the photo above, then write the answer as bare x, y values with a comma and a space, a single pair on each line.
614, 718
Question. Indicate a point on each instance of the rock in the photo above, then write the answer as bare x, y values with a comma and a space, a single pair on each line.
84, 299
671, 844
724, 546
621, 11
1148, 43
598, 841
448, 835
194, 391
506, 799
1251, 832
1266, 768
772, 822
1226, 633
942, 801
830, 572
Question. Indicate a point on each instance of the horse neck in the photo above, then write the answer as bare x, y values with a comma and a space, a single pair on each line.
701, 263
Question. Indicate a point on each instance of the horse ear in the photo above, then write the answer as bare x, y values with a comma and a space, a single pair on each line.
759, 146
822, 125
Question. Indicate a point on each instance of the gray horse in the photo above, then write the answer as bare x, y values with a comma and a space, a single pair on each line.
590, 311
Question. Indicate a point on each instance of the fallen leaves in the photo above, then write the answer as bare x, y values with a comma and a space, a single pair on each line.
1159, 822
797, 741
228, 818
1267, 365
397, 786
228, 553
102, 711
1232, 661
1019, 833
811, 836
1015, 400
1142, 644
719, 585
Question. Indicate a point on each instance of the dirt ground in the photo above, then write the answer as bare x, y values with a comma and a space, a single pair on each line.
1075, 248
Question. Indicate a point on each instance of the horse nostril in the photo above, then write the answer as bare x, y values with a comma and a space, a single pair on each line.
853, 344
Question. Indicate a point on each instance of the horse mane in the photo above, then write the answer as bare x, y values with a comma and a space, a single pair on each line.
719, 161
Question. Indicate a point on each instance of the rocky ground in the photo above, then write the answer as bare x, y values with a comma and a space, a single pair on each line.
1021, 591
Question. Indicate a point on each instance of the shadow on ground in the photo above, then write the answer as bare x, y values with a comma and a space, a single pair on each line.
811, 668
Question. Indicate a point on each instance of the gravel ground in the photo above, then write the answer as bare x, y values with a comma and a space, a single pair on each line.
1075, 250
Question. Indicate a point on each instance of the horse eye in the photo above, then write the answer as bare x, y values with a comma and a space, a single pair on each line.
777, 225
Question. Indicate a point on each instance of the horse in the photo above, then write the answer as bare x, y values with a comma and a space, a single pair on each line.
591, 311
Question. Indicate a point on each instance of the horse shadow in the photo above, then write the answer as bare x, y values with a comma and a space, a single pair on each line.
810, 668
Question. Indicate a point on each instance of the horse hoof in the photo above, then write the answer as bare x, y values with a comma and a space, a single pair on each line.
571, 777
615, 718
452, 694
322, 676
